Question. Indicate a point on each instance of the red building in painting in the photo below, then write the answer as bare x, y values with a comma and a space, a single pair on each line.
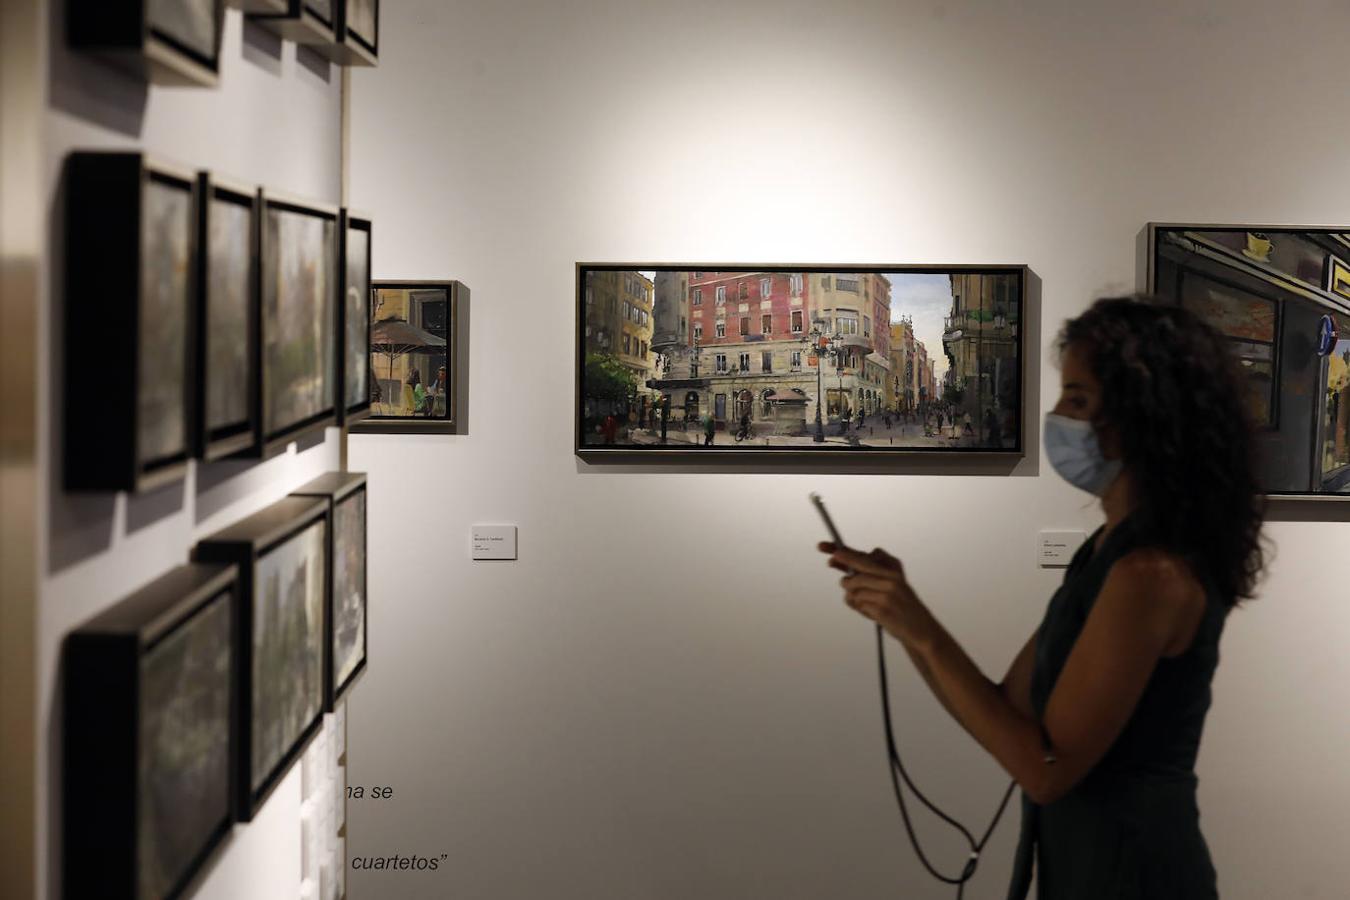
743, 344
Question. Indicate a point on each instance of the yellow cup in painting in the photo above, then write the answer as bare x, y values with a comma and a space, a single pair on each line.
1259, 245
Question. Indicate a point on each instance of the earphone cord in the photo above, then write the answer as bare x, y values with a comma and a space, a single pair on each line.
898, 768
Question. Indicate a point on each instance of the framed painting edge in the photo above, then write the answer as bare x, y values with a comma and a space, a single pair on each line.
245, 543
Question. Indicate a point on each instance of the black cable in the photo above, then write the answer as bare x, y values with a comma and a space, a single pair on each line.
897, 768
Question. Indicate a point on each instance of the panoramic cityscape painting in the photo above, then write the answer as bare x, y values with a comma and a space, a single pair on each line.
754, 359
1282, 298
192, 24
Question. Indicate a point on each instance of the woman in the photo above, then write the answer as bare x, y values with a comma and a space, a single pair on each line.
1100, 715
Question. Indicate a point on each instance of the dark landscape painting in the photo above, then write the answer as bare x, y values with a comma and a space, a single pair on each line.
166, 241
227, 308
183, 747
748, 359
190, 23
299, 318
288, 647
1282, 299
357, 362
349, 595
321, 8
361, 19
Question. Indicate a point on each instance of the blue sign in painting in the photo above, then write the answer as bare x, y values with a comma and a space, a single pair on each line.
1327, 334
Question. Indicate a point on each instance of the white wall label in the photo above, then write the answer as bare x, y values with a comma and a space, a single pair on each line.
1057, 548
493, 541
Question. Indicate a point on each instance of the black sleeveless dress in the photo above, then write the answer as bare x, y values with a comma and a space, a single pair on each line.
1130, 830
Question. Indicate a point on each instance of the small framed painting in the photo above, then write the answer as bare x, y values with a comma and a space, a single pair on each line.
790, 361
355, 309
171, 42
281, 627
130, 304
418, 358
148, 737
345, 493
299, 320
303, 21
227, 313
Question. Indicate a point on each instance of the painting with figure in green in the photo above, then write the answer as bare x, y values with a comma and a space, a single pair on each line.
357, 378
184, 742
288, 639
349, 586
166, 292
361, 20
227, 299
299, 318
190, 23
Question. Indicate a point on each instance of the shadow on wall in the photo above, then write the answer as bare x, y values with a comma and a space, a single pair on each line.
262, 48
89, 89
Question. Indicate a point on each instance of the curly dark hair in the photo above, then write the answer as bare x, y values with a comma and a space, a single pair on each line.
1175, 395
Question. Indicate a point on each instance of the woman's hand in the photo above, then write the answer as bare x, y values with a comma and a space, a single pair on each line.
876, 587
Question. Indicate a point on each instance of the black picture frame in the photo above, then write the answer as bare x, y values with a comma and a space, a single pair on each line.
346, 495
237, 433
282, 293
124, 224
1290, 270
248, 544
303, 21
356, 37
259, 6
135, 825
355, 318
398, 340
126, 35
784, 396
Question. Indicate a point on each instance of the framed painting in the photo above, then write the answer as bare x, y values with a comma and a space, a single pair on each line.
130, 302
260, 6
227, 312
345, 493
148, 747
356, 379
280, 630
356, 37
299, 320
171, 42
1279, 294
744, 361
418, 358
303, 21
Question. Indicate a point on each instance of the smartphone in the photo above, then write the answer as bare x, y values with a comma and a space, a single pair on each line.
829, 523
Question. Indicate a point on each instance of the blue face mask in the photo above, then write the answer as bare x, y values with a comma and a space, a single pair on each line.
1073, 450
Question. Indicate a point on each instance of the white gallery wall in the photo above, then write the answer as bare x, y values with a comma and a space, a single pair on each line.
274, 120
665, 697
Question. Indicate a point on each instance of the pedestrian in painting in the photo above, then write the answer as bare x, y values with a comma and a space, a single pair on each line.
438, 392
887, 420
1100, 716
709, 429
610, 428
966, 423
410, 390
665, 417
992, 432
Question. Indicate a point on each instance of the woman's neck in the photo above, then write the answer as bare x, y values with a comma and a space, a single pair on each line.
1117, 502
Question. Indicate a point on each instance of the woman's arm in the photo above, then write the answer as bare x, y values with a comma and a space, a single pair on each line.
1147, 600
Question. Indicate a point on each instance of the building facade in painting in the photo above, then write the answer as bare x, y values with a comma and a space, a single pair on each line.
980, 339
746, 347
